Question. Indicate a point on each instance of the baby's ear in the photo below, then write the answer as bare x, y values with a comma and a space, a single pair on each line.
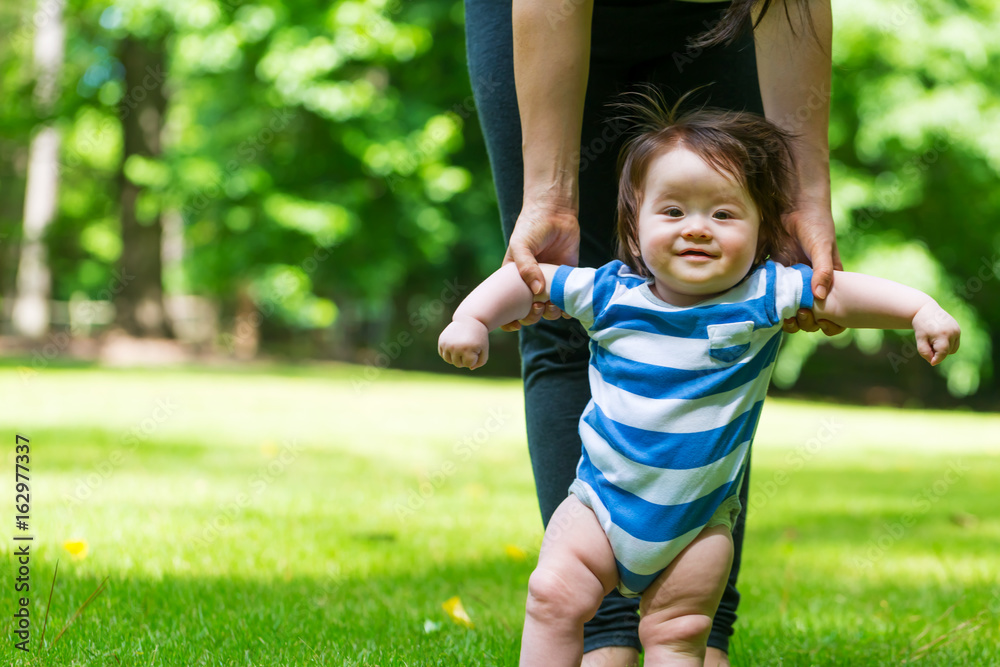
636, 253
627, 251
633, 249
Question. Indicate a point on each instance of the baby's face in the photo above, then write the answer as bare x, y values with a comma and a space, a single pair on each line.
697, 228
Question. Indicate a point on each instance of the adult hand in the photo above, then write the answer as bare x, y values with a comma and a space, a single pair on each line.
544, 232
811, 226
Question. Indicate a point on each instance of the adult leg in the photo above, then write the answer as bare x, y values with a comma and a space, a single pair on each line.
576, 568
554, 354
678, 607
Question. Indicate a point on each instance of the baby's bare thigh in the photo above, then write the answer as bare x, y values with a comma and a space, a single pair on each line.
694, 582
574, 537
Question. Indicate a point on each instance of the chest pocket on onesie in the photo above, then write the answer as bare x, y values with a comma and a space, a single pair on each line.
729, 341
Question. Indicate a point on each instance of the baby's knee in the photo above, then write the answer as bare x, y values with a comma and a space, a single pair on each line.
553, 594
685, 632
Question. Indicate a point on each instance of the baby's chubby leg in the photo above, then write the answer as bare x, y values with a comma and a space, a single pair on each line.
677, 609
576, 569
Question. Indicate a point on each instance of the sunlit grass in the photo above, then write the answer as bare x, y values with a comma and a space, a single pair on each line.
291, 515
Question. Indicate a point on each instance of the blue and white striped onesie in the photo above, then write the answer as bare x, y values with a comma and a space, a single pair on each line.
676, 397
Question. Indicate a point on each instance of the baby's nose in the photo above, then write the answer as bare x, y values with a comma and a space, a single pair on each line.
696, 229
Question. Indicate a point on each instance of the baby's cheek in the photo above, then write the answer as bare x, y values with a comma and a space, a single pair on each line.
654, 247
744, 253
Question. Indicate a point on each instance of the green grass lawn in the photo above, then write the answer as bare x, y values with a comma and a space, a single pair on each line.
291, 516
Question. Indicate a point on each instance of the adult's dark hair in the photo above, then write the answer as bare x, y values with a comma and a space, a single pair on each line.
739, 16
740, 145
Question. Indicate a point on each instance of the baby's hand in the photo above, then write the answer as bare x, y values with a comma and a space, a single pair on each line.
937, 333
465, 343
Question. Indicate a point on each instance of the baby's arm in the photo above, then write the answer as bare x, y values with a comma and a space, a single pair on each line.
501, 298
866, 302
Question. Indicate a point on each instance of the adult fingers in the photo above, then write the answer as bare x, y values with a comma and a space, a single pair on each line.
822, 279
830, 328
527, 266
552, 311
536, 313
806, 320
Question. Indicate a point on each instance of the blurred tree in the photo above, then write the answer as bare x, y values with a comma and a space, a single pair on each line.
17, 119
31, 305
139, 308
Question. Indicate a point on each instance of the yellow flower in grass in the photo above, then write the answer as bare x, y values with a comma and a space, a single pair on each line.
77, 548
515, 552
457, 612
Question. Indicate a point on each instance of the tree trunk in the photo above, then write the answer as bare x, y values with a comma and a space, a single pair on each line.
138, 287
30, 315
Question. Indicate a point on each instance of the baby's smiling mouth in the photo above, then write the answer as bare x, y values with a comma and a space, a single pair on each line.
694, 252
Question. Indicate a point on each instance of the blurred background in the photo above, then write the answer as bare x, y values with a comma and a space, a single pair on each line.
226, 180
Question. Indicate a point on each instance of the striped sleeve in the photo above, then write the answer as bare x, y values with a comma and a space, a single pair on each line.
792, 289
572, 291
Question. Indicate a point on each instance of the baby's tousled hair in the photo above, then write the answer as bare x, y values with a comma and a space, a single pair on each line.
741, 145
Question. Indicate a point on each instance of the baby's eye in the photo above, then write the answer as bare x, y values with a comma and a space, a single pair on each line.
723, 215
674, 212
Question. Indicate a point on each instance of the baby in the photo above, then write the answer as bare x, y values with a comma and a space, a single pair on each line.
684, 330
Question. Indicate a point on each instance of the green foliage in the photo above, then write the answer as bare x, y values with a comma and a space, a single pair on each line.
307, 136
317, 137
338, 142
915, 158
